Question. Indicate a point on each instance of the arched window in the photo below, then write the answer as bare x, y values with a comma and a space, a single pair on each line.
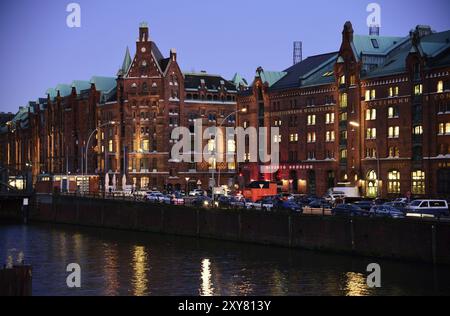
372, 184
394, 182
418, 182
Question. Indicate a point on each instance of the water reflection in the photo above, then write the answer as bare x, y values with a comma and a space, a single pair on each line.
111, 267
206, 286
140, 269
119, 263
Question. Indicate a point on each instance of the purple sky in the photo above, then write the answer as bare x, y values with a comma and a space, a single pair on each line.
39, 50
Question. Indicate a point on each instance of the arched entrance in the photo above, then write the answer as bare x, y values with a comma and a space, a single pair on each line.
372, 184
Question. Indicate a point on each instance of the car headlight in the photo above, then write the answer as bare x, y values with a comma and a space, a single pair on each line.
206, 203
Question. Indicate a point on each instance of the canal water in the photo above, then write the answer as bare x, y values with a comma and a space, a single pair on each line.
126, 263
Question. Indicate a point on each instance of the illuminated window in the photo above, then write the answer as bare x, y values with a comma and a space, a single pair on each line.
444, 128
371, 133
344, 100
343, 154
329, 118
343, 117
394, 152
311, 137
342, 80
418, 130
418, 89
352, 80
311, 120
393, 112
343, 135
440, 87
418, 182
394, 132
371, 153
371, 114
231, 166
277, 123
393, 92
394, 182
110, 146
293, 138
145, 145
329, 136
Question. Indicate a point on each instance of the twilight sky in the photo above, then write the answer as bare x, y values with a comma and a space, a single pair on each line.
39, 51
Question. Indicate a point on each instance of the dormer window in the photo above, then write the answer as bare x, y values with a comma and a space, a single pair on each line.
375, 43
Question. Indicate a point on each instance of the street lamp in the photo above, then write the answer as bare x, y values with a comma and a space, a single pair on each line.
89, 140
357, 125
243, 110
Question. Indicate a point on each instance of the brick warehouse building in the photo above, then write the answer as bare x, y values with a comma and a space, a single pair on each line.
133, 114
375, 114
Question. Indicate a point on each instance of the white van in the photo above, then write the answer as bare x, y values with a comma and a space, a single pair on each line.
429, 207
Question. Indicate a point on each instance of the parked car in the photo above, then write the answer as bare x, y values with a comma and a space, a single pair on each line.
240, 202
386, 211
335, 197
224, 201
265, 204
320, 203
177, 198
365, 205
401, 206
202, 201
196, 192
349, 210
288, 205
158, 197
431, 207
286, 196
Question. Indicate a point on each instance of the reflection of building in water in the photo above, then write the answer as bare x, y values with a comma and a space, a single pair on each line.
140, 269
355, 284
207, 288
279, 284
112, 284
77, 246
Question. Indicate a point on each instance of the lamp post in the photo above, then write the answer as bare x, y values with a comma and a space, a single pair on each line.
357, 125
244, 110
89, 140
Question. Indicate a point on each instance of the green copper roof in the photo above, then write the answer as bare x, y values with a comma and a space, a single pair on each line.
374, 44
126, 61
51, 92
271, 77
239, 80
104, 84
81, 85
64, 90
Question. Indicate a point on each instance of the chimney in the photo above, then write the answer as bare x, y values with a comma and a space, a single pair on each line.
374, 30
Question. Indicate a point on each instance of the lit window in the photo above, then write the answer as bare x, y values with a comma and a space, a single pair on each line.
418, 89
371, 133
394, 152
311, 120
394, 182
342, 80
277, 138
145, 145
440, 87
329, 118
418, 182
343, 154
393, 91
343, 117
293, 138
352, 80
329, 136
370, 95
394, 132
371, 114
444, 128
344, 100
110, 146
393, 112
311, 137
418, 130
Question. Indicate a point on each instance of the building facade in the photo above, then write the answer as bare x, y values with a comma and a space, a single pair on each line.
122, 126
374, 115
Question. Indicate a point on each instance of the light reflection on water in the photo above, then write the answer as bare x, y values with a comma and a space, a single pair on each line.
127, 263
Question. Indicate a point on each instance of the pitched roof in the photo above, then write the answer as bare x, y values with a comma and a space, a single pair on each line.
239, 80
374, 45
212, 82
304, 70
104, 84
270, 77
126, 61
